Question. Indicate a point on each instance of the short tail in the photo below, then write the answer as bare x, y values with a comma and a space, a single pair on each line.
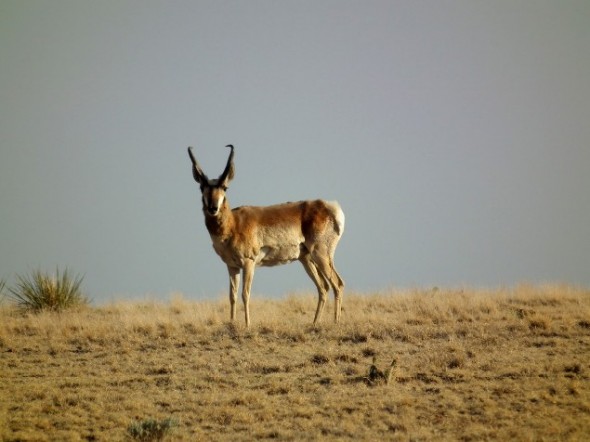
338, 216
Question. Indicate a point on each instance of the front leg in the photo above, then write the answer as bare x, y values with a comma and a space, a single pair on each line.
248, 276
234, 282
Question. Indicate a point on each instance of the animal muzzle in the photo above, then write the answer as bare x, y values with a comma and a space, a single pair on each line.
213, 210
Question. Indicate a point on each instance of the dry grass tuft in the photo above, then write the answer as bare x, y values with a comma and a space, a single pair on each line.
508, 364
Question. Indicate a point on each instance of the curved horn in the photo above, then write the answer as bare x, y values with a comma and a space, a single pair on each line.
228, 173
198, 173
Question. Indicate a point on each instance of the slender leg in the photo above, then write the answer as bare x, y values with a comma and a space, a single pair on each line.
320, 283
326, 267
337, 294
234, 282
248, 276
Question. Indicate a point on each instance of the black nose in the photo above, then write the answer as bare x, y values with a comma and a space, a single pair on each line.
212, 210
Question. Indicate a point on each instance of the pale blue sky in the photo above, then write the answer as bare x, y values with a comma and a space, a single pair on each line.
455, 134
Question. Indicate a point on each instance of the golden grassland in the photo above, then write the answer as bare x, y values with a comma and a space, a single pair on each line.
506, 364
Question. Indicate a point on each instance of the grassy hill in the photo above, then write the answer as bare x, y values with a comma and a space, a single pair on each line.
509, 364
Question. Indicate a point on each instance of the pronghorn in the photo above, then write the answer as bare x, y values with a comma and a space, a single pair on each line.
248, 236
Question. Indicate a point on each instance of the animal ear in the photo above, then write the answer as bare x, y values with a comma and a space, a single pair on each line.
198, 173
228, 173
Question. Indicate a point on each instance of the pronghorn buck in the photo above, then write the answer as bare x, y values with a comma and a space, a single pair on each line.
246, 237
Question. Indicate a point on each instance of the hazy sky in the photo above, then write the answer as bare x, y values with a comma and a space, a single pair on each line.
455, 135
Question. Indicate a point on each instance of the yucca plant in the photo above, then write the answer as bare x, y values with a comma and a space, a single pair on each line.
2, 285
41, 291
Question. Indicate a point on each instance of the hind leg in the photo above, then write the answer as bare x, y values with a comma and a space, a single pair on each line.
325, 265
320, 283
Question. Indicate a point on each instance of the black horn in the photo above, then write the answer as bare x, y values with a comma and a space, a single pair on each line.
228, 173
198, 173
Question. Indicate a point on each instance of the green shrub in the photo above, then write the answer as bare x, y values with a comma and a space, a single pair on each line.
2, 285
41, 291
151, 429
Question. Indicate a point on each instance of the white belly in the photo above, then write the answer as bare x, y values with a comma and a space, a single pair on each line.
273, 256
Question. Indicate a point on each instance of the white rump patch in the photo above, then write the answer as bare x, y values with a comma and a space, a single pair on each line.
338, 215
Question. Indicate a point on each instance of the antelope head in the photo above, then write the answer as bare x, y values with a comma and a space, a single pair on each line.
213, 191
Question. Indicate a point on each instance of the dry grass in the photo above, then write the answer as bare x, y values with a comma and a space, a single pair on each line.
471, 365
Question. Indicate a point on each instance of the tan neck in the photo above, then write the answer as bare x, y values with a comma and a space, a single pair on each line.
221, 224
